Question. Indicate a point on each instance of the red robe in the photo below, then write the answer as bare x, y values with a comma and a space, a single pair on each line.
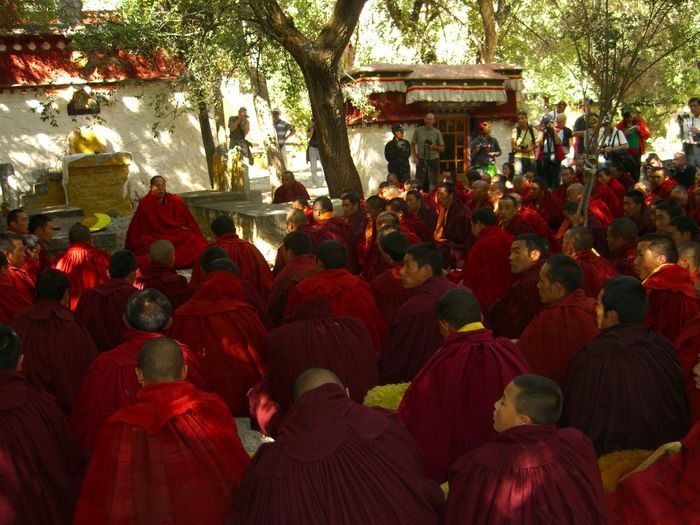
226, 335
336, 461
486, 267
452, 232
346, 295
11, 299
550, 209
557, 333
625, 390
518, 306
301, 267
101, 310
389, 292
623, 260
57, 349
283, 194
24, 283
110, 384
467, 374
171, 220
336, 229
688, 350
529, 475
672, 300
596, 270
85, 266
165, 279
416, 226
173, 457
41, 466
357, 223
609, 196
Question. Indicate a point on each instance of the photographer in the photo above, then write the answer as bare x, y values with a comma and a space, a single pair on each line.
397, 153
550, 152
612, 144
523, 142
426, 146
689, 124
637, 133
484, 150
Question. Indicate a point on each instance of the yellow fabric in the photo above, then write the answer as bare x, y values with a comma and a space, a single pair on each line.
472, 327
326, 216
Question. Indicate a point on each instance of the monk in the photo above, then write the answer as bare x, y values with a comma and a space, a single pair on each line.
41, 465
578, 244
452, 229
11, 299
545, 203
471, 368
415, 336
513, 220
291, 189
410, 222
387, 288
672, 298
688, 353
163, 215
346, 293
532, 472
566, 322
356, 464
375, 262
354, 214
110, 382
416, 208
368, 255
13, 249
42, 228
622, 242
57, 348
486, 267
328, 226
225, 333
101, 308
159, 273
514, 310
624, 388
634, 208
85, 265
172, 457
689, 258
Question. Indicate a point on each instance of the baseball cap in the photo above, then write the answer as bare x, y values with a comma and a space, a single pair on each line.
276, 110
396, 127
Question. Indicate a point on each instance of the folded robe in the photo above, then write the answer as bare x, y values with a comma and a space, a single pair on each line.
85, 266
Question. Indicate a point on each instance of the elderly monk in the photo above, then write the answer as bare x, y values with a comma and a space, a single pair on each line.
85, 265
110, 382
387, 288
672, 298
290, 190
159, 273
101, 308
578, 244
415, 336
509, 316
172, 457
470, 369
566, 322
163, 215
346, 293
532, 472
336, 461
226, 334
622, 242
11, 299
57, 348
12, 248
625, 388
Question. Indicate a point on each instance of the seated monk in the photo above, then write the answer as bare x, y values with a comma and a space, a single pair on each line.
416, 209
545, 203
12, 248
452, 231
410, 222
41, 227
159, 273
85, 265
184, 460
368, 256
634, 208
11, 300
622, 244
291, 189
672, 298
510, 314
328, 226
688, 355
354, 214
624, 388
689, 258
566, 322
110, 382
163, 215
387, 288
101, 308
532, 472
578, 244
470, 369
515, 219
41, 466
355, 463
346, 293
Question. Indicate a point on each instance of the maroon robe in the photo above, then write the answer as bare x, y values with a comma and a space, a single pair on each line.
11, 299
57, 349
557, 333
41, 466
301, 267
36, 265
452, 231
529, 475
416, 226
625, 390
596, 270
467, 374
518, 306
336, 461
101, 310
170, 220
173, 457
24, 283
550, 209
331, 227
688, 350
605, 193
486, 267
165, 279
110, 384
389, 292
85, 266
358, 223
283, 194
672, 300
623, 260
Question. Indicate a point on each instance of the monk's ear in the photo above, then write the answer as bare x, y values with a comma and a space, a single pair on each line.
139, 376
524, 419
20, 362
126, 321
168, 324
347, 392
535, 255
183, 373
65, 300
444, 327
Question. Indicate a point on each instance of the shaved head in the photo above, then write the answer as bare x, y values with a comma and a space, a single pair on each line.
161, 251
313, 378
160, 361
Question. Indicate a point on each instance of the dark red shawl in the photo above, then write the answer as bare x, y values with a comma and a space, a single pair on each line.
85, 266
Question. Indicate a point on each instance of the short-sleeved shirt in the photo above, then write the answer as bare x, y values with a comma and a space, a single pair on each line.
524, 137
423, 134
282, 127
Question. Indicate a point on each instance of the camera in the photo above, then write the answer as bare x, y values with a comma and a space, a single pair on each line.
683, 116
428, 142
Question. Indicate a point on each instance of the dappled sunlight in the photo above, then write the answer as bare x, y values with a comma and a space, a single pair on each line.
132, 104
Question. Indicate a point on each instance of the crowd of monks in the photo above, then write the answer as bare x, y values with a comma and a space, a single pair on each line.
535, 338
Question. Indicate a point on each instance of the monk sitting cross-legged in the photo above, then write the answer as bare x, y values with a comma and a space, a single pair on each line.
160, 274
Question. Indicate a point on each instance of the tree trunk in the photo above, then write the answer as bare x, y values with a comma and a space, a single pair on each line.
490, 43
207, 139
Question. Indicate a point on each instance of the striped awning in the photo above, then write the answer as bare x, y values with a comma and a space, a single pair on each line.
455, 93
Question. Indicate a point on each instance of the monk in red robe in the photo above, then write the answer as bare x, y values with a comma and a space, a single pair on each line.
634, 208
57, 348
387, 288
661, 184
416, 209
101, 308
291, 189
469, 370
625, 367
160, 274
578, 244
672, 298
41, 227
172, 457
598, 229
163, 215
532, 472
408, 222
110, 382
85, 265
486, 267
512, 220
13, 249
354, 214
346, 293
415, 334
356, 464
328, 226
11, 300
689, 356
225, 333
510, 314
452, 229
543, 201
622, 242
41, 465
565, 324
